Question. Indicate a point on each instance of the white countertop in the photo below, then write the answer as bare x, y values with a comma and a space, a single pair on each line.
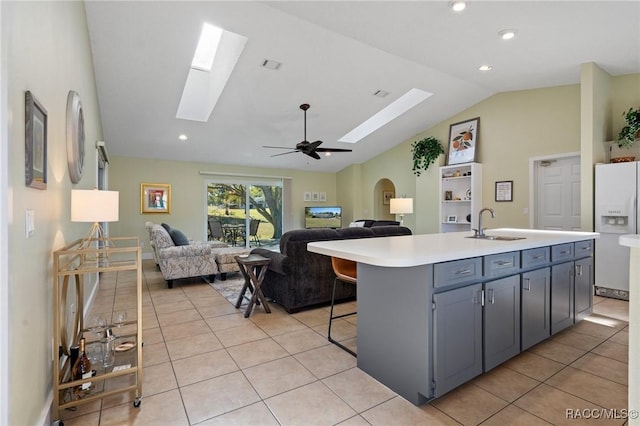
631, 240
414, 250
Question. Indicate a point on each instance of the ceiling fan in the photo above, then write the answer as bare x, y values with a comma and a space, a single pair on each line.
309, 148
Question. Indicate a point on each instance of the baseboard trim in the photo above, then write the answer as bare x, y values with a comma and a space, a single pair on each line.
612, 293
45, 416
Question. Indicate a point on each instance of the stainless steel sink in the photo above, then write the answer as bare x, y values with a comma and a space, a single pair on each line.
495, 237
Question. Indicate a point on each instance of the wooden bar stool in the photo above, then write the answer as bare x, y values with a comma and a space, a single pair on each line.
347, 272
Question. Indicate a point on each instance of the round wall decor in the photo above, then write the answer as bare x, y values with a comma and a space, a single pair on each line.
75, 137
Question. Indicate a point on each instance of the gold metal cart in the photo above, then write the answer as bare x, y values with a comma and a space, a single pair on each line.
71, 264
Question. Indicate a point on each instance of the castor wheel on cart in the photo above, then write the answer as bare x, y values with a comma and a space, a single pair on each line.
137, 402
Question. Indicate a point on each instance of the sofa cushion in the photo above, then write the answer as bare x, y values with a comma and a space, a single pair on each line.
390, 231
161, 237
178, 237
356, 232
166, 226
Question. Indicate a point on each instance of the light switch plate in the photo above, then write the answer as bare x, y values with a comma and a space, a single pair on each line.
29, 223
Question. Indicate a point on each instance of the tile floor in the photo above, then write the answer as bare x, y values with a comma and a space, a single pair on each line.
205, 364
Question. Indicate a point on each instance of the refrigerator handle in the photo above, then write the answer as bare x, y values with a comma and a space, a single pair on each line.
633, 214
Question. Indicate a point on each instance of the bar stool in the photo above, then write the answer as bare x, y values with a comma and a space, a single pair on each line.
347, 272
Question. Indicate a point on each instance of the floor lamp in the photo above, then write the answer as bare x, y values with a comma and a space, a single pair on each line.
401, 206
95, 206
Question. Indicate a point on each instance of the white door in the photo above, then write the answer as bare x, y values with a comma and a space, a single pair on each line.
557, 194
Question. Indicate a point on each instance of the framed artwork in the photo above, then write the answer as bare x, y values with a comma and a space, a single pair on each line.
452, 219
504, 190
307, 196
386, 197
315, 196
35, 143
323, 197
155, 198
463, 140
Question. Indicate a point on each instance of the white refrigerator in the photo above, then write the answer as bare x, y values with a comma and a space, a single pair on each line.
616, 202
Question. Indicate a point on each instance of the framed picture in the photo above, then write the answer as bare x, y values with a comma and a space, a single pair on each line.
463, 140
448, 195
315, 196
452, 218
386, 197
323, 197
35, 143
155, 198
307, 196
504, 190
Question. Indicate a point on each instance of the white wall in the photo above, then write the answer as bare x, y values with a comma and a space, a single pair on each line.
49, 54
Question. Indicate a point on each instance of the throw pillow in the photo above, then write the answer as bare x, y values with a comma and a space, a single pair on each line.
166, 227
178, 237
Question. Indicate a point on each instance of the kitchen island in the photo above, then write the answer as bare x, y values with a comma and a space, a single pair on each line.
436, 310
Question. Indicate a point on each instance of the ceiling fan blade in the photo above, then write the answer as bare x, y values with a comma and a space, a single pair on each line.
284, 153
313, 154
277, 147
333, 150
314, 145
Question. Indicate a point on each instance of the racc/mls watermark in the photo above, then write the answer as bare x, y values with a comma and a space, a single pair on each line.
600, 413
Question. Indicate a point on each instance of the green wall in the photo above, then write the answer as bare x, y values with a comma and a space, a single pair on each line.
188, 193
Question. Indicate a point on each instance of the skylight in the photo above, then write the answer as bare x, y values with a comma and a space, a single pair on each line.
215, 58
395, 109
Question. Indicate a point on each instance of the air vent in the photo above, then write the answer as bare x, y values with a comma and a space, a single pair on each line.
380, 93
272, 65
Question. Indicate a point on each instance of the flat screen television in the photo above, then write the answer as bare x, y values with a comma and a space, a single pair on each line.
323, 217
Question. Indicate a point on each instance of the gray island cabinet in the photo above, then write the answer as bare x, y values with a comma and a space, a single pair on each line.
436, 310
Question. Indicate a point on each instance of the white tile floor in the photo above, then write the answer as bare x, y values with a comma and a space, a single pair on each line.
205, 364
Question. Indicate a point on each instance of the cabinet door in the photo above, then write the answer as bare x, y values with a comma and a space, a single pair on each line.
457, 337
561, 296
583, 287
536, 303
501, 321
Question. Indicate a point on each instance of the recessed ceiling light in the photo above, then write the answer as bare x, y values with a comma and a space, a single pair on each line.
458, 6
485, 67
183, 137
396, 108
507, 34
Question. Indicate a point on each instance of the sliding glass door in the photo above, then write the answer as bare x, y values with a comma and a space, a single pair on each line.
245, 213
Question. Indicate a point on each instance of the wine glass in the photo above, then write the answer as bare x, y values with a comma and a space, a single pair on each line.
97, 325
121, 319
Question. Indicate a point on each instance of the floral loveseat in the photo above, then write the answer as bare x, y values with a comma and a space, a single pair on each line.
177, 257
299, 279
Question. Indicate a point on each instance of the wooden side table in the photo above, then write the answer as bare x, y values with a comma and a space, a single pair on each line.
253, 267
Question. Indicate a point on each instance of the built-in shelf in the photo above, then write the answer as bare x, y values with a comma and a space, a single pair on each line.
460, 196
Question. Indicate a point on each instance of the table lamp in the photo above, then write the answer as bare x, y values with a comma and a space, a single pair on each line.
93, 205
401, 206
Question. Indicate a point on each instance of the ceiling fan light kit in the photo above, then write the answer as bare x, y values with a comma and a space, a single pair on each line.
308, 148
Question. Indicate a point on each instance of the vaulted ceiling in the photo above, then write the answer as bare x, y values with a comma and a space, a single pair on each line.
335, 55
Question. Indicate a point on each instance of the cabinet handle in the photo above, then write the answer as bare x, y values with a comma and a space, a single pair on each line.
538, 256
481, 297
528, 282
493, 296
587, 248
565, 252
463, 272
578, 270
503, 263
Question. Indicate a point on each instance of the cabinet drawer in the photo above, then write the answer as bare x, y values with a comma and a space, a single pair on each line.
501, 264
562, 252
583, 249
535, 257
457, 271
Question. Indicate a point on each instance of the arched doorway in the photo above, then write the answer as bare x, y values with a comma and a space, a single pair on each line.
383, 190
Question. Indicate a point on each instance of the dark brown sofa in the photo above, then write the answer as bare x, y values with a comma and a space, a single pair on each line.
298, 279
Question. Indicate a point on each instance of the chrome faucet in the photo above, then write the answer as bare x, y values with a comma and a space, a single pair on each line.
480, 231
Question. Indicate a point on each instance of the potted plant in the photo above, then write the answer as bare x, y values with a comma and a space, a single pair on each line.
631, 131
425, 152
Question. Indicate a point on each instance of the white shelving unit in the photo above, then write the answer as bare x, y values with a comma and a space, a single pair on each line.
460, 196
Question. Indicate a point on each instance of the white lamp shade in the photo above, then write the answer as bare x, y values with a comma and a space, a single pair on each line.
92, 205
401, 205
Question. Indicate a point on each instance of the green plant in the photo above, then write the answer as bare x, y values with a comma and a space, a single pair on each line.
629, 133
425, 152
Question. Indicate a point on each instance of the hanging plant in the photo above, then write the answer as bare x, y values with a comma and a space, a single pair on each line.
631, 131
425, 152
